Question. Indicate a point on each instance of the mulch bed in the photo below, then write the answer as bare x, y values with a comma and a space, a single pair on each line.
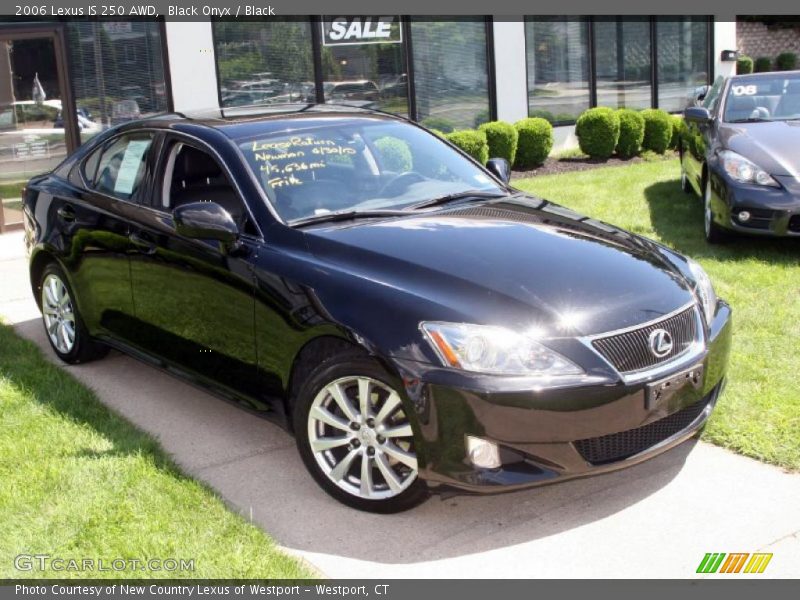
554, 166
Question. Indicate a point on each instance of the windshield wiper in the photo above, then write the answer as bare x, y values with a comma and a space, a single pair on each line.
480, 194
752, 120
346, 215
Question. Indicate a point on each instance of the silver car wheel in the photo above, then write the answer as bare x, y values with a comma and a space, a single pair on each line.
57, 311
361, 438
707, 216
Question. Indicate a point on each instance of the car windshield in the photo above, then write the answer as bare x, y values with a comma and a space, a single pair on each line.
360, 165
773, 97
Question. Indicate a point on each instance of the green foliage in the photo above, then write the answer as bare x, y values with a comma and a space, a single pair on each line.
657, 130
535, 142
472, 142
440, 123
597, 130
744, 65
502, 139
678, 128
762, 64
395, 154
631, 132
786, 61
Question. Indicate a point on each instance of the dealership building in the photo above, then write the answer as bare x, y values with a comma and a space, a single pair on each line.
62, 82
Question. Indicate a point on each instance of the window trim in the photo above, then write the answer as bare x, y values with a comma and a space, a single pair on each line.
135, 198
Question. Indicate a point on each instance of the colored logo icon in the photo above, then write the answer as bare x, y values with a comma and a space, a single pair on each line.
736, 562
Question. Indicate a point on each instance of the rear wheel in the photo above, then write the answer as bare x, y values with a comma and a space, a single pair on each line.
355, 437
63, 324
685, 185
714, 233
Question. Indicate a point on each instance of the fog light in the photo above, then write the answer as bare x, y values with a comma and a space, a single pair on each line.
744, 216
482, 453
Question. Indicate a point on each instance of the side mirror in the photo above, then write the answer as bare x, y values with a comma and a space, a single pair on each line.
206, 221
697, 114
500, 168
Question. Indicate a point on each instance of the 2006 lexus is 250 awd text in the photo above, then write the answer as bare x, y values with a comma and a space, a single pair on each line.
418, 324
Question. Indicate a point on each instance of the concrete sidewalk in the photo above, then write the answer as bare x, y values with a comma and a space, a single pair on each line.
656, 519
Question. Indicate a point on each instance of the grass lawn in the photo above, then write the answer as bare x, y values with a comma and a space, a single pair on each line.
759, 413
78, 481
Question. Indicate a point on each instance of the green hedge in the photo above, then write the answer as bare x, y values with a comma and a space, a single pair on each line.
678, 126
502, 139
597, 130
631, 132
786, 61
440, 123
657, 130
744, 65
395, 154
762, 64
472, 142
535, 142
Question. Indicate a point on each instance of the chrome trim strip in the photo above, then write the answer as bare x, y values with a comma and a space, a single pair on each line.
664, 317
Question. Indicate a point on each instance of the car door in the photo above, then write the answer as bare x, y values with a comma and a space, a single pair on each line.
699, 137
194, 301
95, 220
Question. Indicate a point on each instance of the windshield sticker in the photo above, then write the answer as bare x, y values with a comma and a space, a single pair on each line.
744, 90
282, 160
126, 175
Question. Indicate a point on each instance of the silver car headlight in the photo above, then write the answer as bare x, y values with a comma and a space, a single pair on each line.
495, 350
744, 170
704, 290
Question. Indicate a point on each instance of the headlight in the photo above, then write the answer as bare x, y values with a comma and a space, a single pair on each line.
743, 170
486, 349
704, 290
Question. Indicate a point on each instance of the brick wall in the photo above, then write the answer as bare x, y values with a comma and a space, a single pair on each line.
756, 39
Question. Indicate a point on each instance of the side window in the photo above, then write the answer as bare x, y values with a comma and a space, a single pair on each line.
122, 166
89, 166
193, 175
711, 100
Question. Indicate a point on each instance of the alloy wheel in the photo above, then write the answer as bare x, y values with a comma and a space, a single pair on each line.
57, 310
707, 216
361, 438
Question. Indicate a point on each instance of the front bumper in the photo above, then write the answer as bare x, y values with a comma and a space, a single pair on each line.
554, 434
774, 211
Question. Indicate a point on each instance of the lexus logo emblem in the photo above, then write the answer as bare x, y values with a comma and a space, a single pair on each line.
660, 342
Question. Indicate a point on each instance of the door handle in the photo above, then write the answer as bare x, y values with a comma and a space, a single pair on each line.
66, 212
143, 245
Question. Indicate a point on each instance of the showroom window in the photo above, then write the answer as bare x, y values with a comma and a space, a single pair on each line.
117, 72
682, 59
557, 53
623, 62
451, 76
264, 62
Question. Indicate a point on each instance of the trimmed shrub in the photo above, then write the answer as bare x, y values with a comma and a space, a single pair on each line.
440, 123
786, 61
502, 139
762, 64
535, 142
678, 127
472, 142
597, 130
657, 130
744, 65
631, 132
395, 154
441, 134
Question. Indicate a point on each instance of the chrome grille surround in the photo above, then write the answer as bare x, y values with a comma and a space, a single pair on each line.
628, 351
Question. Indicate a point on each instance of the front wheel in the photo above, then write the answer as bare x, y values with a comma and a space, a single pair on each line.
355, 437
714, 234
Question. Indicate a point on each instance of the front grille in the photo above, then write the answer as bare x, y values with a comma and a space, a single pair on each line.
619, 446
630, 350
794, 224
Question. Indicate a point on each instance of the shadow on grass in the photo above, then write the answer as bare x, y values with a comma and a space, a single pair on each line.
677, 217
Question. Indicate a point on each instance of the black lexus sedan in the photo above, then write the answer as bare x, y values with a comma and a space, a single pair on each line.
742, 155
417, 324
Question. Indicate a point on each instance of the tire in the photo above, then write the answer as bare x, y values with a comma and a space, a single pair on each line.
714, 234
685, 185
336, 434
63, 325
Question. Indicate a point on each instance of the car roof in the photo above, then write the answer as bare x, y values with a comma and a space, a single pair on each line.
765, 75
245, 121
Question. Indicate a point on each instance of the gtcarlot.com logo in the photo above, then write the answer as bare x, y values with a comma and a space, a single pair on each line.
736, 562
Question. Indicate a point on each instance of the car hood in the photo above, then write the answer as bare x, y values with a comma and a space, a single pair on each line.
772, 146
518, 262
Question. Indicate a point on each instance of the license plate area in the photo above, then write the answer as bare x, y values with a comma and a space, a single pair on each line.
669, 394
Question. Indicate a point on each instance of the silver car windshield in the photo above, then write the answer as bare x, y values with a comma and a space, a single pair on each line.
359, 165
773, 97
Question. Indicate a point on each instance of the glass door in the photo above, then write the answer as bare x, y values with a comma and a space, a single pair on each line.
36, 127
